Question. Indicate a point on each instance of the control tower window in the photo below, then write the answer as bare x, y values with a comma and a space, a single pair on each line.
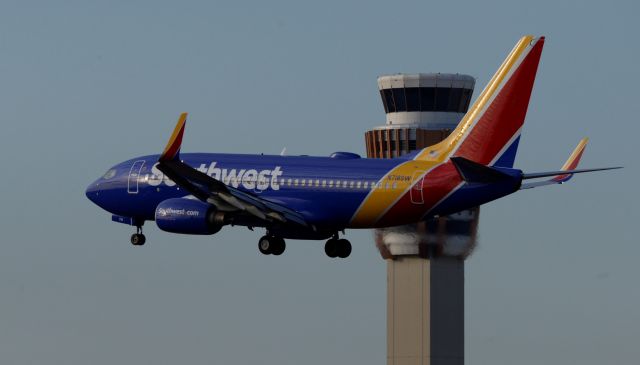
442, 98
427, 98
466, 98
388, 98
399, 99
413, 99
384, 101
454, 100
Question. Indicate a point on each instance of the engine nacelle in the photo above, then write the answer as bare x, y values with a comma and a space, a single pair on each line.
188, 216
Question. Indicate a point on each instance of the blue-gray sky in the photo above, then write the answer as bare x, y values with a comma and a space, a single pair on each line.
85, 84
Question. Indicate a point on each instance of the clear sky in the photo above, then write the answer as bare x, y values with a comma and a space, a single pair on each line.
85, 84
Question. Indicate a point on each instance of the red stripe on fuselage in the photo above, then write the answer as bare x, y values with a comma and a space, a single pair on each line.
436, 185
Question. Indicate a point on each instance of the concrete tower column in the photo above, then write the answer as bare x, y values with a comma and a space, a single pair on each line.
425, 261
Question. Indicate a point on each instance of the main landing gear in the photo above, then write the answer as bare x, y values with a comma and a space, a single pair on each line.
138, 239
336, 247
271, 245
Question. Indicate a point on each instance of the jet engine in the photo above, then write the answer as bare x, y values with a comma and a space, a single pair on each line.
188, 216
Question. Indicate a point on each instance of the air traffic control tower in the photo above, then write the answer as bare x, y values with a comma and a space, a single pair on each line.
425, 261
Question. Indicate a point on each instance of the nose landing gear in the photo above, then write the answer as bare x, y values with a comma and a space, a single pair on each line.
138, 239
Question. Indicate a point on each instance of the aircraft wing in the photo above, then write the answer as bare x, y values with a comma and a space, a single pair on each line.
213, 191
565, 173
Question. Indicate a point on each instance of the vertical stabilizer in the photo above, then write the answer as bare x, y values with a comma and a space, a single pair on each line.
489, 132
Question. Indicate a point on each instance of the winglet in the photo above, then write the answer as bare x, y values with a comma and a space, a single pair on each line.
572, 161
172, 150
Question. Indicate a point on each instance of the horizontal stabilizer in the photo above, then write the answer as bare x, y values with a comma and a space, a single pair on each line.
474, 172
565, 173
538, 175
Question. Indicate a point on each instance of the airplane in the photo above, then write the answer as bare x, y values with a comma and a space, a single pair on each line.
317, 198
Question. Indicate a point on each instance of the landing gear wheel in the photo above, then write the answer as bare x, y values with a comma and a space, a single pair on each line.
344, 248
279, 246
138, 239
269, 245
331, 248
265, 245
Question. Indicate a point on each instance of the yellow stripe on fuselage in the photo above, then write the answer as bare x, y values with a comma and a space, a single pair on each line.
384, 196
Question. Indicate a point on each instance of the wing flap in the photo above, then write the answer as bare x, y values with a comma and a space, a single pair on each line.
210, 190
213, 191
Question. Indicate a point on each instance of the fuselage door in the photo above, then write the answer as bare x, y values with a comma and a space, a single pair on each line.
134, 175
416, 190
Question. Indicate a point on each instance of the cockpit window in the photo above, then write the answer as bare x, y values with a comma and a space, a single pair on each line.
109, 174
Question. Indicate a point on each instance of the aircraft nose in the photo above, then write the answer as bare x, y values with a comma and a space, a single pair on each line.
93, 192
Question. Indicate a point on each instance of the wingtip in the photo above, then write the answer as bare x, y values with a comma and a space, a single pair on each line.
584, 141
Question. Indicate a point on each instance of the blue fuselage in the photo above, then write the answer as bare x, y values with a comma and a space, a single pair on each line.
326, 191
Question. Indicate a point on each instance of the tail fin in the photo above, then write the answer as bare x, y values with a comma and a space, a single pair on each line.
489, 133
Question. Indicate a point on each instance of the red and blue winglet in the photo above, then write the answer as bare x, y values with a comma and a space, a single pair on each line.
172, 150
